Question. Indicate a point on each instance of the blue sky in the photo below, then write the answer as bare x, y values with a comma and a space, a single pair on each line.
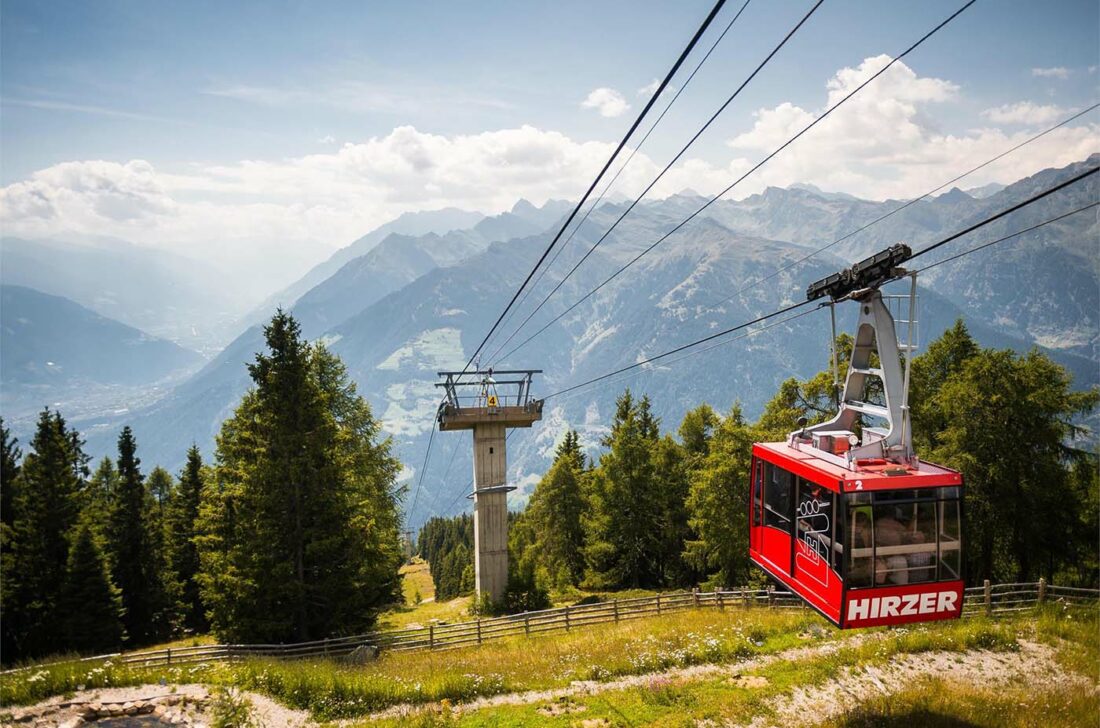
239, 111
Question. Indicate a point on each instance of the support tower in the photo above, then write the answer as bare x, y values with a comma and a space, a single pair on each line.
478, 401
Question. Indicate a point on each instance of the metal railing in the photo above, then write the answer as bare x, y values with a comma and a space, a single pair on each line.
989, 599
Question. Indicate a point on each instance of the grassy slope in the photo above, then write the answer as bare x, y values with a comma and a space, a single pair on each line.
933, 702
605, 652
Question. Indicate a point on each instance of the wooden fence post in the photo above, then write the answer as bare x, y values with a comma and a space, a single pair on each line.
526, 624
771, 597
988, 598
169, 651
479, 630
566, 617
719, 599
615, 602
658, 602
745, 596
1042, 589
431, 636
695, 596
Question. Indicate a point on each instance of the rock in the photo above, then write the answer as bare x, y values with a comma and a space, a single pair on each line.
129, 708
90, 713
159, 711
72, 722
362, 654
145, 708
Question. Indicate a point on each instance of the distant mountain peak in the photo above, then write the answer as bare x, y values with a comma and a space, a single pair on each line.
954, 195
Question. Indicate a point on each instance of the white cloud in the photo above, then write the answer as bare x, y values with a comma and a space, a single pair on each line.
326, 139
1056, 72
1025, 112
607, 101
284, 214
884, 142
649, 89
294, 212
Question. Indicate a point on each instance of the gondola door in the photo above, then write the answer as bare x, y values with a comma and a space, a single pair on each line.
776, 511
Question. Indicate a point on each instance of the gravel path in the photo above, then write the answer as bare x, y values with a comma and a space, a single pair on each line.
592, 687
1034, 665
267, 713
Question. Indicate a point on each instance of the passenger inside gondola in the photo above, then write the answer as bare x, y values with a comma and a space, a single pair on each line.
901, 534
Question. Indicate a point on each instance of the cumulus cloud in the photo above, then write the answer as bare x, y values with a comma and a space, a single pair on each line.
306, 206
884, 142
326, 139
1025, 112
293, 212
607, 101
1056, 72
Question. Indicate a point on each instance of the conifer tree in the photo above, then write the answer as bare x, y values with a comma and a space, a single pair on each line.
46, 509
556, 551
182, 553
90, 605
132, 545
302, 539
9, 474
671, 487
10, 456
98, 500
621, 526
718, 503
1008, 421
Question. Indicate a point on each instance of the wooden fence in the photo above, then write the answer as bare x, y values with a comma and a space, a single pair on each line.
988, 600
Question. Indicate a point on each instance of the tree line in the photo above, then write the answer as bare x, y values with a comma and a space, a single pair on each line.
292, 533
660, 511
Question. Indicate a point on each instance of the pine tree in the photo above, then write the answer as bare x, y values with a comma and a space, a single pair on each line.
671, 488
556, 551
9, 475
46, 509
132, 546
301, 538
718, 503
98, 499
182, 557
10, 456
1008, 419
621, 526
90, 605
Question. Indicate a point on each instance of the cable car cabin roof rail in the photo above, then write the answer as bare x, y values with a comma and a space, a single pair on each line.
871, 474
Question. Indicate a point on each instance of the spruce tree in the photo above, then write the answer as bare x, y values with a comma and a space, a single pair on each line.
302, 537
46, 509
556, 551
131, 544
182, 553
90, 605
9, 474
718, 504
98, 499
621, 527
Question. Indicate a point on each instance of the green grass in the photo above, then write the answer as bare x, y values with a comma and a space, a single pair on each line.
939, 703
687, 702
332, 690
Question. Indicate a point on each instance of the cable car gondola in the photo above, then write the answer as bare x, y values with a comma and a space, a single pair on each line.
845, 515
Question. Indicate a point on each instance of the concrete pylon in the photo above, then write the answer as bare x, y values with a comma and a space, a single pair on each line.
490, 510
489, 413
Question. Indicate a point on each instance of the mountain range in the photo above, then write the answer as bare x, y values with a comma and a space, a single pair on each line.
413, 303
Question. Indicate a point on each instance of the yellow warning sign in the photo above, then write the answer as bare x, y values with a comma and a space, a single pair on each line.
492, 401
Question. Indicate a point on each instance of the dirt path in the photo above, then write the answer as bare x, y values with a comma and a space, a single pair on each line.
1033, 664
592, 687
64, 710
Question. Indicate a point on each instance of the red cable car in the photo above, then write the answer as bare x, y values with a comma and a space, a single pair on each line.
846, 515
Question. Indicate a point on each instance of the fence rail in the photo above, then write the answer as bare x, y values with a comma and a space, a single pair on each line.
987, 599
